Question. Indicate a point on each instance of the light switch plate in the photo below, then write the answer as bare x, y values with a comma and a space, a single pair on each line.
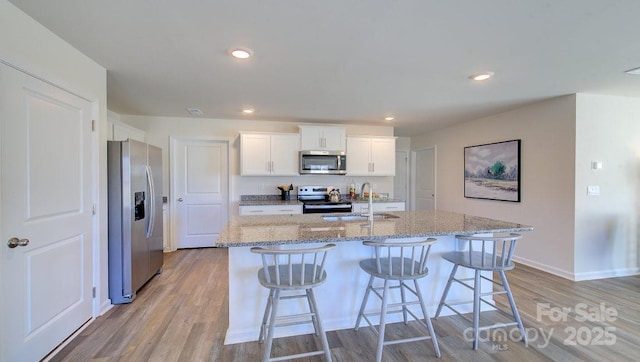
593, 190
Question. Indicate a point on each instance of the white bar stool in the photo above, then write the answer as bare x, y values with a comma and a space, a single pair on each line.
397, 260
484, 253
297, 271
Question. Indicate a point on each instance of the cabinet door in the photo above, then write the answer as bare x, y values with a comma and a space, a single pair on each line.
388, 206
383, 156
311, 138
122, 132
333, 138
322, 138
270, 209
284, 155
358, 156
255, 152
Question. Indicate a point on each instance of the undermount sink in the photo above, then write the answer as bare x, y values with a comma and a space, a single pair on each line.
359, 217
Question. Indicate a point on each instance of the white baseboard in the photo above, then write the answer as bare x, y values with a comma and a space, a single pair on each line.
546, 268
604, 274
592, 275
105, 306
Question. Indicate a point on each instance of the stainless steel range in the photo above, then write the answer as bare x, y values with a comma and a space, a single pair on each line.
316, 200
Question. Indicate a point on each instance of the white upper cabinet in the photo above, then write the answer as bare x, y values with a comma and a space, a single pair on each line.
117, 131
269, 154
322, 138
371, 156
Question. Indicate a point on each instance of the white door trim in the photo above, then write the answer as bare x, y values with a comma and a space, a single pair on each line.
435, 175
408, 182
173, 227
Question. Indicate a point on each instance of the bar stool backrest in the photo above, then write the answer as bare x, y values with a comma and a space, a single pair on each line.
490, 252
401, 258
292, 267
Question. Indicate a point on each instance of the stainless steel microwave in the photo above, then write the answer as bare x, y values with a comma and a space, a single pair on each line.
323, 162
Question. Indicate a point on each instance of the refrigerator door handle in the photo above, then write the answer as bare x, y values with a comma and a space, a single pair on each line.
152, 203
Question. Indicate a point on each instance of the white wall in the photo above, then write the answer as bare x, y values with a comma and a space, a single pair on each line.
547, 131
31, 47
159, 129
606, 231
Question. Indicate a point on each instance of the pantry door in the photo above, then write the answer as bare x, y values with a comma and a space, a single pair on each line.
200, 192
424, 179
46, 213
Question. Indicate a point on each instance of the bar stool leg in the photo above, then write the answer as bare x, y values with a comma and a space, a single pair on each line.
272, 326
512, 303
476, 309
446, 290
427, 319
320, 330
404, 301
313, 311
383, 315
364, 302
265, 318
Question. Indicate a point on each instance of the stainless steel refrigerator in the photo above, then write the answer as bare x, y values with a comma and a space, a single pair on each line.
135, 217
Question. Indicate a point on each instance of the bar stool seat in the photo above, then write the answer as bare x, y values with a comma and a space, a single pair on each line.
295, 272
399, 261
483, 253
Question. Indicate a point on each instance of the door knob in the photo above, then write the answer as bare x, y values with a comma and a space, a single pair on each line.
180, 199
13, 242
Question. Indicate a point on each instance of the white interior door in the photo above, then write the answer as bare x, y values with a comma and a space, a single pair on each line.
200, 191
401, 179
46, 199
424, 180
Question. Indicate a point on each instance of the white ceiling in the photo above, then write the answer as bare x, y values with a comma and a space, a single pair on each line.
350, 61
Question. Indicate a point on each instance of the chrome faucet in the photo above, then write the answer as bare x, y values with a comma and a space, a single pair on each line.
369, 213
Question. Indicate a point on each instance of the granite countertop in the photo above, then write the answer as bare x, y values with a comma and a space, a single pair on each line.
242, 231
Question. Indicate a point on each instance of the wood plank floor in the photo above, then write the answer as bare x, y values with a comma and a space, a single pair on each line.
181, 315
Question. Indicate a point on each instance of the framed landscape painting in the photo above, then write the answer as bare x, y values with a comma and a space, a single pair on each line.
492, 171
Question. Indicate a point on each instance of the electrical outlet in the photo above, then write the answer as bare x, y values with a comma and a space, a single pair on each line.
593, 190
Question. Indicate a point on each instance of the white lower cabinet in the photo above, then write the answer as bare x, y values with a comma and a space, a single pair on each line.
270, 210
379, 206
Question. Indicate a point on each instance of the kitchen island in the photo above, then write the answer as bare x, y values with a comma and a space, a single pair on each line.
340, 296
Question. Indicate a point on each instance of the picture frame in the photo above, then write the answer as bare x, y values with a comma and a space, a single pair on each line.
492, 171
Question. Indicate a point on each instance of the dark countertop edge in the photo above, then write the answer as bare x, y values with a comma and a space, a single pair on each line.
365, 238
269, 202
361, 201
296, 202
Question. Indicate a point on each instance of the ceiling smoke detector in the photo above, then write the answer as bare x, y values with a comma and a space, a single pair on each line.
195, 111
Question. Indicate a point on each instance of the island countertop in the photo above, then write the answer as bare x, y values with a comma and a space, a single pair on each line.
243, 231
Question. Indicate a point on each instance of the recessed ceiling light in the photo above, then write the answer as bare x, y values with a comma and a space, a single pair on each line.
389, 118
481, 76
195, 111
634, 71
241, 53
248, 111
